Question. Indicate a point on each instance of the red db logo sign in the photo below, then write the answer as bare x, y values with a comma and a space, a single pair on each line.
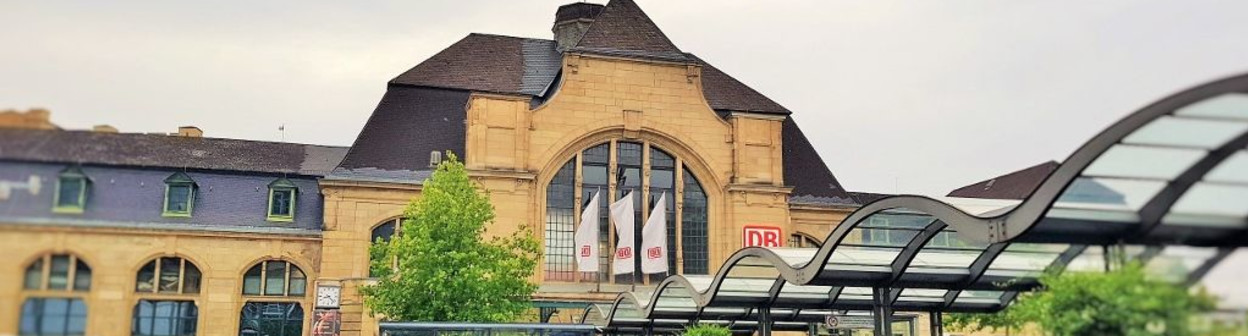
761, 236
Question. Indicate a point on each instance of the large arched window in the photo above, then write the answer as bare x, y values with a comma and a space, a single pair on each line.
55, 286
639, 167
273, 290
166, 288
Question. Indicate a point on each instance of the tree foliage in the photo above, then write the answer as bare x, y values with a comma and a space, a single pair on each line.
707, 330
444, 270
1124, 301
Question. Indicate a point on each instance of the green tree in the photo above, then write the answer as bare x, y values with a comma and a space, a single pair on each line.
443, 268
707, 330
1125, 301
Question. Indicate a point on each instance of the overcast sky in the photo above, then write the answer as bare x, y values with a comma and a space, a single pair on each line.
912, 97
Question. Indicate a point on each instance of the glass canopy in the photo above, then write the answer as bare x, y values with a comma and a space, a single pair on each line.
1167, 185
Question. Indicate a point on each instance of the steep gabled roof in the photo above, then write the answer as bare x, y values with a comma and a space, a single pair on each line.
810, 177
624, 29
1016, 186
165, 151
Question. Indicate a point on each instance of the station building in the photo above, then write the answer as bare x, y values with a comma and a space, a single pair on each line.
110, 233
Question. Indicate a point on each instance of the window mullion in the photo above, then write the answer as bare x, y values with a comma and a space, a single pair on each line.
578, 187
645, 210
47, 273
678, 192
612, 164
264, 277
73, 272
286, 281
181, 273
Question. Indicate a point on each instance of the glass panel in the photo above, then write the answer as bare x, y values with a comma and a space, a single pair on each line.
55, 316
82, 277
383, 232
1128, 161
1108, 194
298, 281
663, 182
869, 256
1177, 131
34, 275
1230, 105
628, 174
561, 221
271, 319
169, 270
190, 278
1233, 170
29, 324
886, 237
164, 318
1176, 262
70, 192
693, 226
59, 278
251, 280
145, 281
179, 199
275, 278
594, 179
281, 202
1213, 199
945, 258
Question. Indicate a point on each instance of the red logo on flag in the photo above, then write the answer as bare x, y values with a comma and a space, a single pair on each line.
654, 252
624, 253
585, 250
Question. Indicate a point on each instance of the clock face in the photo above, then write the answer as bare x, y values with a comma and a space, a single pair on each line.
327, 296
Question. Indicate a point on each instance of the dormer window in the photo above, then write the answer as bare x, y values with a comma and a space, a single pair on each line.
179, 195
71, 191
282, 200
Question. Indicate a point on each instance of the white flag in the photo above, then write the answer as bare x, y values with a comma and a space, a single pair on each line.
622, 216
654, 239
587, 238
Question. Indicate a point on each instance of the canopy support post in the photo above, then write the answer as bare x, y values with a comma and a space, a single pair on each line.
764, 321
882, 311
938, 323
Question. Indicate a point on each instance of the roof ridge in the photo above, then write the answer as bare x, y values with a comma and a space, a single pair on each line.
156, 135
512, 36
624, 26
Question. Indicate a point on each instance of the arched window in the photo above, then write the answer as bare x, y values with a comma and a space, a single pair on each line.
640, 167
382, 233
803, 240
55, 286
273, 290
166, 288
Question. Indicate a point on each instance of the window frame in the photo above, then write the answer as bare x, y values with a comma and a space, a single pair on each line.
286, 284
179, 180
135, 316
282, 185
68, 315
183, 266
45, 277
72, 173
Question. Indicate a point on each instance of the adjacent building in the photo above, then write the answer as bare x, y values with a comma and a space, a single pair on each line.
120, 234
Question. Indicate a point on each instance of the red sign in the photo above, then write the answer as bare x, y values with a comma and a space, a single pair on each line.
585, 250
654, 252
761, 236
624, 253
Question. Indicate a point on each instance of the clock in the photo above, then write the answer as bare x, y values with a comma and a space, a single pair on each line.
328, 296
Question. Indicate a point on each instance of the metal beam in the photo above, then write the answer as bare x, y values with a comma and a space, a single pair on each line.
912, 249
1200, 272
882, 311
764, 321
937, 323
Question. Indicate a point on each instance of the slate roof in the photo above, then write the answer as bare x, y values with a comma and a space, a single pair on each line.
1013, 186
810, 177
408, 124
867, 197
165, 151
423, 108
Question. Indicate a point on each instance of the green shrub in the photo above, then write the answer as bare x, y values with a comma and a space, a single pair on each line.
707, 330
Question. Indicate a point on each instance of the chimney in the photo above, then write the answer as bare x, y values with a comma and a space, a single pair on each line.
104, 129
571, 22
190, 132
